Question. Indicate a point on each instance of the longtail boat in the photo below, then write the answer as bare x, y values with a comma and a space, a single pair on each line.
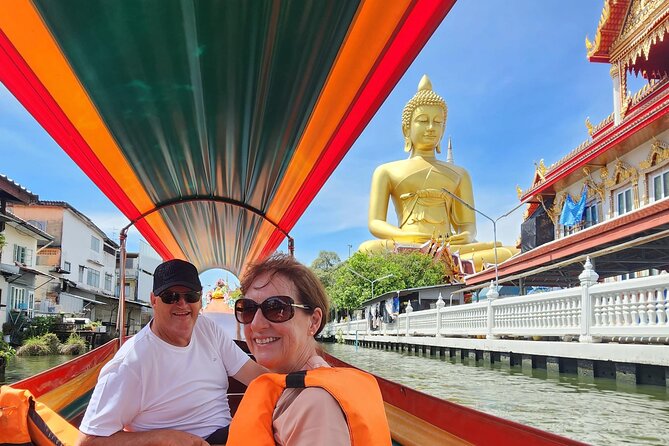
415, 418
212, 125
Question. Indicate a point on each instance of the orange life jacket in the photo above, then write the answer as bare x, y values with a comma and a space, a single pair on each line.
356, 392
24, 421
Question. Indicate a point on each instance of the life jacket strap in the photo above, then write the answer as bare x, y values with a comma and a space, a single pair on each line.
295, 380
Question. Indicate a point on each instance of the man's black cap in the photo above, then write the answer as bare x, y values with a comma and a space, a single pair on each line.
174, 273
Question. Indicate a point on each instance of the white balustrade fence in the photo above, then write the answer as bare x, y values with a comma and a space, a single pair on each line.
635, 310
640, 310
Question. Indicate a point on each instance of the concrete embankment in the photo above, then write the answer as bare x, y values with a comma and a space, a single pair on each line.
629, 364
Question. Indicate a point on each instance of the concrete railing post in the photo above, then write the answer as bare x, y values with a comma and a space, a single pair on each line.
409, 310
440, 305
490, 298
588, 278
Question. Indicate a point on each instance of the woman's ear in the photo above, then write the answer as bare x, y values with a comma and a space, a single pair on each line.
316, 318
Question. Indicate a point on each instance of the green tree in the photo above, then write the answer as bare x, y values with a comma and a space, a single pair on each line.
324, 267
409, 270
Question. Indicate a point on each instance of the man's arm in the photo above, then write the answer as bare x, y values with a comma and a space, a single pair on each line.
249, 371
161, 437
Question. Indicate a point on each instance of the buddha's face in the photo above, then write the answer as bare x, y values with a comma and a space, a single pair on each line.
427, 127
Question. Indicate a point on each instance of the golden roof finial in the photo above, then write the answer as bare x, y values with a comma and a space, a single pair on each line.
589, 126
541, 169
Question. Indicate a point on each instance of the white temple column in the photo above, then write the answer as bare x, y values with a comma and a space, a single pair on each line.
617, 98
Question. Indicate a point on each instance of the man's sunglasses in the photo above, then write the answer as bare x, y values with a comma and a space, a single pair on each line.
172, 297
275, 309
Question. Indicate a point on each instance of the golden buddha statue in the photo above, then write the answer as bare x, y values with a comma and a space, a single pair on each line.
425, 211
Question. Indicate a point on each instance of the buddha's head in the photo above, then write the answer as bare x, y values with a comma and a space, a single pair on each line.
424, 119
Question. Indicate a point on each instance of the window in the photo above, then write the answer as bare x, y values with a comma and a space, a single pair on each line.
23, 255
39, 224
108, 282
129, 263
127, 290
67, 266
93, 278
81, 273
590, 215
659, 185
95, 244
31, 303
624, 201
17, 299
589, 218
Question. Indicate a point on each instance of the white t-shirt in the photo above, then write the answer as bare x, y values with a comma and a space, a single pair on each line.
150, 384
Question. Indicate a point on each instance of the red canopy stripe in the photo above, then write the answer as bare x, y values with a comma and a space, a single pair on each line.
18, 77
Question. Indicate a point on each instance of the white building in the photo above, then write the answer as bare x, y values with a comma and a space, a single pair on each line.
19, 279
139, 269
81, 256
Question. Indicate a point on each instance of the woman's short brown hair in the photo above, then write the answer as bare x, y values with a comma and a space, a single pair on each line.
310, 289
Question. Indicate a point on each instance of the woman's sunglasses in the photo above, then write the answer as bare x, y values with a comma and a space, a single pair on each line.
275, 309
172, 297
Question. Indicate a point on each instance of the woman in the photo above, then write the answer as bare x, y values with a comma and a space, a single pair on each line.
305, 401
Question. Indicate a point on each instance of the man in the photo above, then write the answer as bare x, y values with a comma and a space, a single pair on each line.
167, 385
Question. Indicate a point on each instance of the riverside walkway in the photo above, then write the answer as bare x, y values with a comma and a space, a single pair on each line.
615, 329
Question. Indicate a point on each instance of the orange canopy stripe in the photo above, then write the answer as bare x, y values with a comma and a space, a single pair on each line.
100, 158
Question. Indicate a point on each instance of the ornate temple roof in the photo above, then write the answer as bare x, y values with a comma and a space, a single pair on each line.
648, 115
628, 32
632, 35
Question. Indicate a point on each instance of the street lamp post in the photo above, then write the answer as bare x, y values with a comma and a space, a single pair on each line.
494, 227
371, 282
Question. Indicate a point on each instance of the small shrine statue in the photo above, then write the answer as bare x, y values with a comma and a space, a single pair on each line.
418, 185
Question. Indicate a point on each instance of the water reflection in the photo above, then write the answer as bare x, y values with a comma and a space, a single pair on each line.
21, 367
590, 410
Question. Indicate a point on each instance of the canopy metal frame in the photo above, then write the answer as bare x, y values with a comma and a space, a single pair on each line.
123, 236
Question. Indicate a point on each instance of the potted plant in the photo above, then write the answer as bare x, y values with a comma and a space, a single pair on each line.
6, 352
7, 331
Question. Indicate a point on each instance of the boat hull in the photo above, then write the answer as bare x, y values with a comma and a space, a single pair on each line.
415, 418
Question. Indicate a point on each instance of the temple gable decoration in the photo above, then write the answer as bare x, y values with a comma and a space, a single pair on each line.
631, 37
659, 152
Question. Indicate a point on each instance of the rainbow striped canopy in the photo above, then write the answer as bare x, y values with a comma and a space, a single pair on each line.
211, 124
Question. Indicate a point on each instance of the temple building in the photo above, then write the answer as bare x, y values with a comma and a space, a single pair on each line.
607, 199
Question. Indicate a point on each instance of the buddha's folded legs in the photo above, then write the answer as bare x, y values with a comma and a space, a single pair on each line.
487, 256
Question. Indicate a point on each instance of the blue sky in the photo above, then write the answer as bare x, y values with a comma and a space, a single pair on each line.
518, 85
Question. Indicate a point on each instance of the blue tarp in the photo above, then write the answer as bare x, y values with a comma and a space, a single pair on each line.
572, 212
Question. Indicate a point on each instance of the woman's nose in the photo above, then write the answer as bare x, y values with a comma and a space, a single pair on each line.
259, 320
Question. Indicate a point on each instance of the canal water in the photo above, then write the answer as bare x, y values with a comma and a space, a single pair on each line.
20, 367
596, 412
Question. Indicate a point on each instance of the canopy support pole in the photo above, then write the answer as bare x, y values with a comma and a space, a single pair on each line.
120, 320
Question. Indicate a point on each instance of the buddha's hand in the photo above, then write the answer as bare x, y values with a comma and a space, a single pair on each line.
460, 239
411, 237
